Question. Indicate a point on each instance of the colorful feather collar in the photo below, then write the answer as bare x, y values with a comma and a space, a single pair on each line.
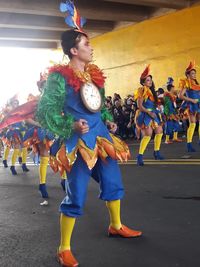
75, 80
171, 96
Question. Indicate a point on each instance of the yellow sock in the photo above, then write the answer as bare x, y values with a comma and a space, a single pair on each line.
20, 153
175, 136
43, 169
167, 138
190, 132
157, 141
24, 154
64, 175
6, 153
114, 211
14, 156
143, 144
66, 229
199, 130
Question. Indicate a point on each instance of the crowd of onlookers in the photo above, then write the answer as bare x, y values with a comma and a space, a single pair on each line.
124, 111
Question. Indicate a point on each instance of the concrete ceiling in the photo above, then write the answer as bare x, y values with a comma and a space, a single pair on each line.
39, 23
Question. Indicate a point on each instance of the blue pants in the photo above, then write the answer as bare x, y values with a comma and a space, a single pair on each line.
107, 174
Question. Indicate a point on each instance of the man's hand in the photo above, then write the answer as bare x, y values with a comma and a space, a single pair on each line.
194, 101
81, 126
111, 126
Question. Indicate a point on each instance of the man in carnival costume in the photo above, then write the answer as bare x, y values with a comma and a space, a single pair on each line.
72, 108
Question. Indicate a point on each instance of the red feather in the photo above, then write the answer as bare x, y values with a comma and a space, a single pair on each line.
145, 73
74, 81
191, 66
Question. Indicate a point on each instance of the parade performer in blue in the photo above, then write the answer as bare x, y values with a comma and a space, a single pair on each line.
72, 108
13, 138
148, 117
171, 113
190, 94
40, 140
36, 137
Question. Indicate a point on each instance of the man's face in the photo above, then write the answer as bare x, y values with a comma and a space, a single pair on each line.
148, 81
84, 51
192, 74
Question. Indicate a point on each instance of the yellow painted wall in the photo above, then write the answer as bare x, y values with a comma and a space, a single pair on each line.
168, 43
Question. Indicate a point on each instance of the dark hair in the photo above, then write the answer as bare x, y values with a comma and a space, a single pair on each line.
70, 39
160, 90
188, 72
169, 87
152, 88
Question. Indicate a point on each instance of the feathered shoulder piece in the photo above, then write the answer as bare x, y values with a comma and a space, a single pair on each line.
76, 78
97, 75
139, 92
144, 92
184, 83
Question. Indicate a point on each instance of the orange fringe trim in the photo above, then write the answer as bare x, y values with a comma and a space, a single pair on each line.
117, 150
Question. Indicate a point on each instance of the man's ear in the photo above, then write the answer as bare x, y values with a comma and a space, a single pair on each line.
73, 51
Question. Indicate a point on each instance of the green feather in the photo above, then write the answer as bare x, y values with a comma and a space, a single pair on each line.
105, 114
50, 108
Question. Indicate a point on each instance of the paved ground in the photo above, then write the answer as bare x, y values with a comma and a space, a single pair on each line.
162, 199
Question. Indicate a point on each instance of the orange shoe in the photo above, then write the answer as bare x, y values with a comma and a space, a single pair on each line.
168, 142
66, 259
124, 231
178, 140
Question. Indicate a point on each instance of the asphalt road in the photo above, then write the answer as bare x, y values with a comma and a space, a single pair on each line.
162, 199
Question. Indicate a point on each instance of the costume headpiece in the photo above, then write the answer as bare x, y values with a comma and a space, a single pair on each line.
145, 73
190, 67
170, 81
73, 18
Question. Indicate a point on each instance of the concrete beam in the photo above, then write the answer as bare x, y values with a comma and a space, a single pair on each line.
155, 3
34, 35
195, 2
25, 34
28, 44
88, 8
38, 22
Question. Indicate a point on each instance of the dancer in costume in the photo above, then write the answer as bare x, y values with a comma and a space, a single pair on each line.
15, 136
190, 93
72, 105
148, 119
13, 139
4, 112
40, 140
171, 114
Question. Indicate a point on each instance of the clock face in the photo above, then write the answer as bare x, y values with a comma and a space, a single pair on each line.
91, 97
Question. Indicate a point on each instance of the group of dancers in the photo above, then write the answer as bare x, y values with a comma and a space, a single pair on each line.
150, 117
70, 128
